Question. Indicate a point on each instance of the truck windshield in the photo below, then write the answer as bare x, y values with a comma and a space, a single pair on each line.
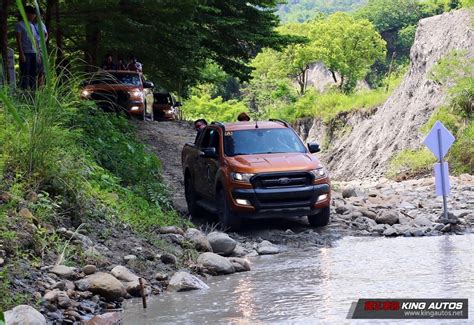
262, 141
128, 79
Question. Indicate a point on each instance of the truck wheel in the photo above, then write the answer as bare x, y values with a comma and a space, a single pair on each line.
227, 219
191, 198
321, 219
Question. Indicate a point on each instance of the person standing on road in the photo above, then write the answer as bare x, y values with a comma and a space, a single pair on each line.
27, 50
39, 61
108, 63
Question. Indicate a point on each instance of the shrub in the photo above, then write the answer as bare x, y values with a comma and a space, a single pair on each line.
212, 109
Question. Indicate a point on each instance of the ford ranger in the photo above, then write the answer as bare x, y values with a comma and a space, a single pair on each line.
255, 170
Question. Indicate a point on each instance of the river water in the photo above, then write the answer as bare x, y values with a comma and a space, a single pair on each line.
318, 286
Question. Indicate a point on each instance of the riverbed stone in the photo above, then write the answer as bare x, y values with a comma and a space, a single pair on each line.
103, 284
240, 264
221, 243
422, 221
167, 258
106, 319
63, 300
183, 281
63, 271
124, 274
390, 231
215, 263
199, 240
239, 251
348, 192
24, 314
171, 230
266, 248
387, 217
89, 269
129, 258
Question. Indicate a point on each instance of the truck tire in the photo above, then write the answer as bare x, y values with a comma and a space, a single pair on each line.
227, 219
321, 219
191, 198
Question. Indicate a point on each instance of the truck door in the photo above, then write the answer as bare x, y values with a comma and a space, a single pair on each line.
208, 167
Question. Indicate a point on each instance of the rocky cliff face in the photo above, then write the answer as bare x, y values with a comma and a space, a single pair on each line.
361, 144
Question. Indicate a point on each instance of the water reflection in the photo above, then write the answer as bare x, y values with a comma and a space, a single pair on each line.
318, 286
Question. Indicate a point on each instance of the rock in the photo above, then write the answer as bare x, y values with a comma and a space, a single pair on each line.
387, 217
173, 238
199, 240
51, 296
161, 276
252, 253
63, 300
342, 209
169, 259
106, 319
26, 214
215, 263
171, 230
379, 228
183, 281
2, 261
5, 197
102, 284
221, 243
129, 258
422, 221
438, 226
349, 192
89, 269
32, 197
446, 228
390, 231
367, 213
267, 248
239, 251
24, 314
123, 274
63, 271
73, 314
92, 252
240, 264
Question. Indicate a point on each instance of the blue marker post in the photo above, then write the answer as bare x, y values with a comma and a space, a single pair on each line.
443, 180
439, 140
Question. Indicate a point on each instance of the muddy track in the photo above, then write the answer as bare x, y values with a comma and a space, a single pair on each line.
166, 140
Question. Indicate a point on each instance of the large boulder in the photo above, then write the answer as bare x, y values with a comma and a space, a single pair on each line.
387, 217
102, 284
24, 314
215, 263
199, 240
183, 281
106, 319
221, 243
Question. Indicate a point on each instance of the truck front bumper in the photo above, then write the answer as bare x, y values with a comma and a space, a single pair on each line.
281, 202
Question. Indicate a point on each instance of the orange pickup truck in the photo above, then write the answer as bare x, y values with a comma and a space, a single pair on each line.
255, 170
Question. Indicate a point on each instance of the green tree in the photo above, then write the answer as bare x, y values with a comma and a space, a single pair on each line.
305, 10
347, 46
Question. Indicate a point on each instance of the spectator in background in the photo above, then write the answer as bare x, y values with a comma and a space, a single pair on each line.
121, 64
243, 117
134, 65
39, 61
27, 50
108, 63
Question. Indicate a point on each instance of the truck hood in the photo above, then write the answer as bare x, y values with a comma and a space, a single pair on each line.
273, 162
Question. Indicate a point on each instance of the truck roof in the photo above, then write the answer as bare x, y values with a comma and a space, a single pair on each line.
240, 126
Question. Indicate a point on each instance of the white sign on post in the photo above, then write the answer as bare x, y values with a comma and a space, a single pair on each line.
439, 140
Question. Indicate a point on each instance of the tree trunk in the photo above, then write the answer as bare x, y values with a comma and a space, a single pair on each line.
48, 16
3, 35
59, 34
333, 75
92, 46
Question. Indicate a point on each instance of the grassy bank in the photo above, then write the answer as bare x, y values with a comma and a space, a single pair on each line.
65, 163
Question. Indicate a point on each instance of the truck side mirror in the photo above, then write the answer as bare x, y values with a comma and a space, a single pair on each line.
148, 84
313, 147
209, 153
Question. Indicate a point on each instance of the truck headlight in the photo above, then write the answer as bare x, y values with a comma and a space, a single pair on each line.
319, 173
242, 177
86, 93
136, 93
